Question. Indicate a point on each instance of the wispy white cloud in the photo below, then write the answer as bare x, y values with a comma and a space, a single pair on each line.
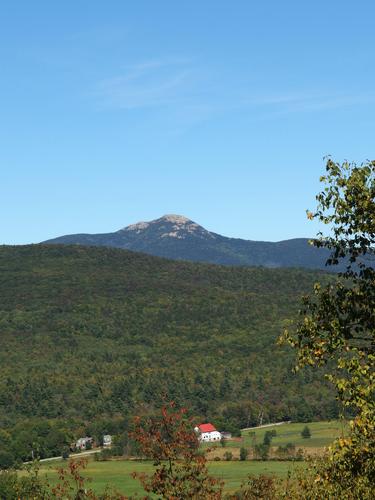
188, 94
154, 83
305, 102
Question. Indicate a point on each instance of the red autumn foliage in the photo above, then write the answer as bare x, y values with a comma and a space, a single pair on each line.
181, 469
71, 482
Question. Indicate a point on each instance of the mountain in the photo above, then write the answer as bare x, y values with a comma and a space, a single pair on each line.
177, 237
92, 335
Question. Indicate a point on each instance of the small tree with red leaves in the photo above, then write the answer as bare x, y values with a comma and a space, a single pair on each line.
72, 485
181, 470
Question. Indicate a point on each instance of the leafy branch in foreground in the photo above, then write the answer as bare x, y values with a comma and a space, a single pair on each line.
181, 470
337, 323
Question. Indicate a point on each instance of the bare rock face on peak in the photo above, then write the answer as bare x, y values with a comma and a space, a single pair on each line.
169, 226
177, 237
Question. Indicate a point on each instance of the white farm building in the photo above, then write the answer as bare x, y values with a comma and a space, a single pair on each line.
207, 432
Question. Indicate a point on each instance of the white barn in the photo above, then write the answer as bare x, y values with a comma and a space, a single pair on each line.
207, 433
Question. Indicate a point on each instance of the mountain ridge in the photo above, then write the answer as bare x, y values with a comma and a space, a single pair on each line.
92, 332
180, 238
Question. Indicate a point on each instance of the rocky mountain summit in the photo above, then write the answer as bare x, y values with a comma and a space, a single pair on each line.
177, 237
170, 226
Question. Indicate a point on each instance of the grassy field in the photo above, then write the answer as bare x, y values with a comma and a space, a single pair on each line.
234, 473
322, 434
118, 473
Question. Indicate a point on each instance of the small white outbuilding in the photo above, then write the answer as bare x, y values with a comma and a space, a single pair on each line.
107, 440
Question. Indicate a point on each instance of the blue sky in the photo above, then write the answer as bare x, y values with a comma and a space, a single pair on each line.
114, 112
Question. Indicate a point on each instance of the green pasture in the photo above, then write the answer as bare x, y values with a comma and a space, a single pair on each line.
117, 473
234, 473
322, 434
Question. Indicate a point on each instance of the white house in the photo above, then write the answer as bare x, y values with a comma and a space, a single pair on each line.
207, 432
82, 443
107, 440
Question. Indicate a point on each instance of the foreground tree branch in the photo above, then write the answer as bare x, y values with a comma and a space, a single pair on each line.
337, 323
181, 469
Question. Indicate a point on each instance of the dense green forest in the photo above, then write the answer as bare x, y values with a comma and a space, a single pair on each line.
91, 336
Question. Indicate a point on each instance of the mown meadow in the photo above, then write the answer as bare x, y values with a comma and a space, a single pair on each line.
118, 473
322, 434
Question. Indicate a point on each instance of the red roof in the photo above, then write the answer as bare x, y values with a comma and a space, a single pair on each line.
206, 428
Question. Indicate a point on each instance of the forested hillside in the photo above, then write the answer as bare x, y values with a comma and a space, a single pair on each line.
91, 334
